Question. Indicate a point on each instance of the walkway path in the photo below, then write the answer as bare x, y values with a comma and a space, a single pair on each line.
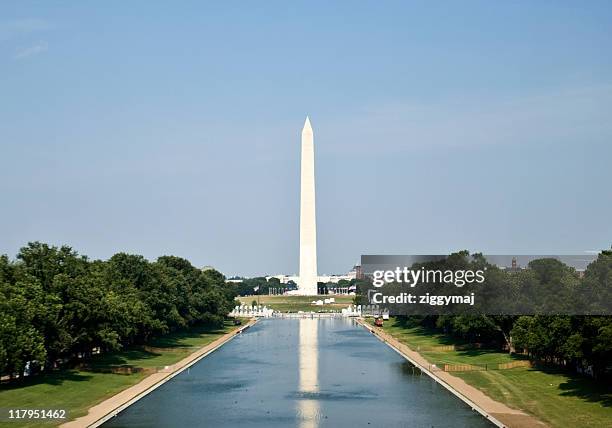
496, 412
107, 409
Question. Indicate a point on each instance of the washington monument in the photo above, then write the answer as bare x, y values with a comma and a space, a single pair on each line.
307, 283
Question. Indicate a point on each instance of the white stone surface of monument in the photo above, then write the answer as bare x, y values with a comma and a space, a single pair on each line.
307, 284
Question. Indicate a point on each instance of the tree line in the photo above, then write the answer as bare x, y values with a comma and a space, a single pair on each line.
57, 306
580, 342
262, 286
259, 285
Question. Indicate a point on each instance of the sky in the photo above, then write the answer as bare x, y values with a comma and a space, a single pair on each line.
160, 128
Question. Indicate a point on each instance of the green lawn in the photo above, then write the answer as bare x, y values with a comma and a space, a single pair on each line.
78, 390
299, 303
560, 399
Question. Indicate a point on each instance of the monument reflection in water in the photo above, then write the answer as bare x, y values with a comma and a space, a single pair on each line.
308, 404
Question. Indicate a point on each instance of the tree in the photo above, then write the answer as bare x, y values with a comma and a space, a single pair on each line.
57, 306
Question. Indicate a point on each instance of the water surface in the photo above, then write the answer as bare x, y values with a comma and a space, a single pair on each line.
306, 373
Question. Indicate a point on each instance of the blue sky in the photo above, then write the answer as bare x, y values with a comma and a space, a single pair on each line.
174, 129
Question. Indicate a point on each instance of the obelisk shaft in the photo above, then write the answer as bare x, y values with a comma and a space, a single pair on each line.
308, 227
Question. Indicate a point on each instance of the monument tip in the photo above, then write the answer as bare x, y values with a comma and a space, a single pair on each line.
307, 125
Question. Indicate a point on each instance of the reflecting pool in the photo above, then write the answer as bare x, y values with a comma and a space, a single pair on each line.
301, 372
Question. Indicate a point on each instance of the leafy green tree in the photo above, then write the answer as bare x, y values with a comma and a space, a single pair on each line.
57, 306
20, 341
